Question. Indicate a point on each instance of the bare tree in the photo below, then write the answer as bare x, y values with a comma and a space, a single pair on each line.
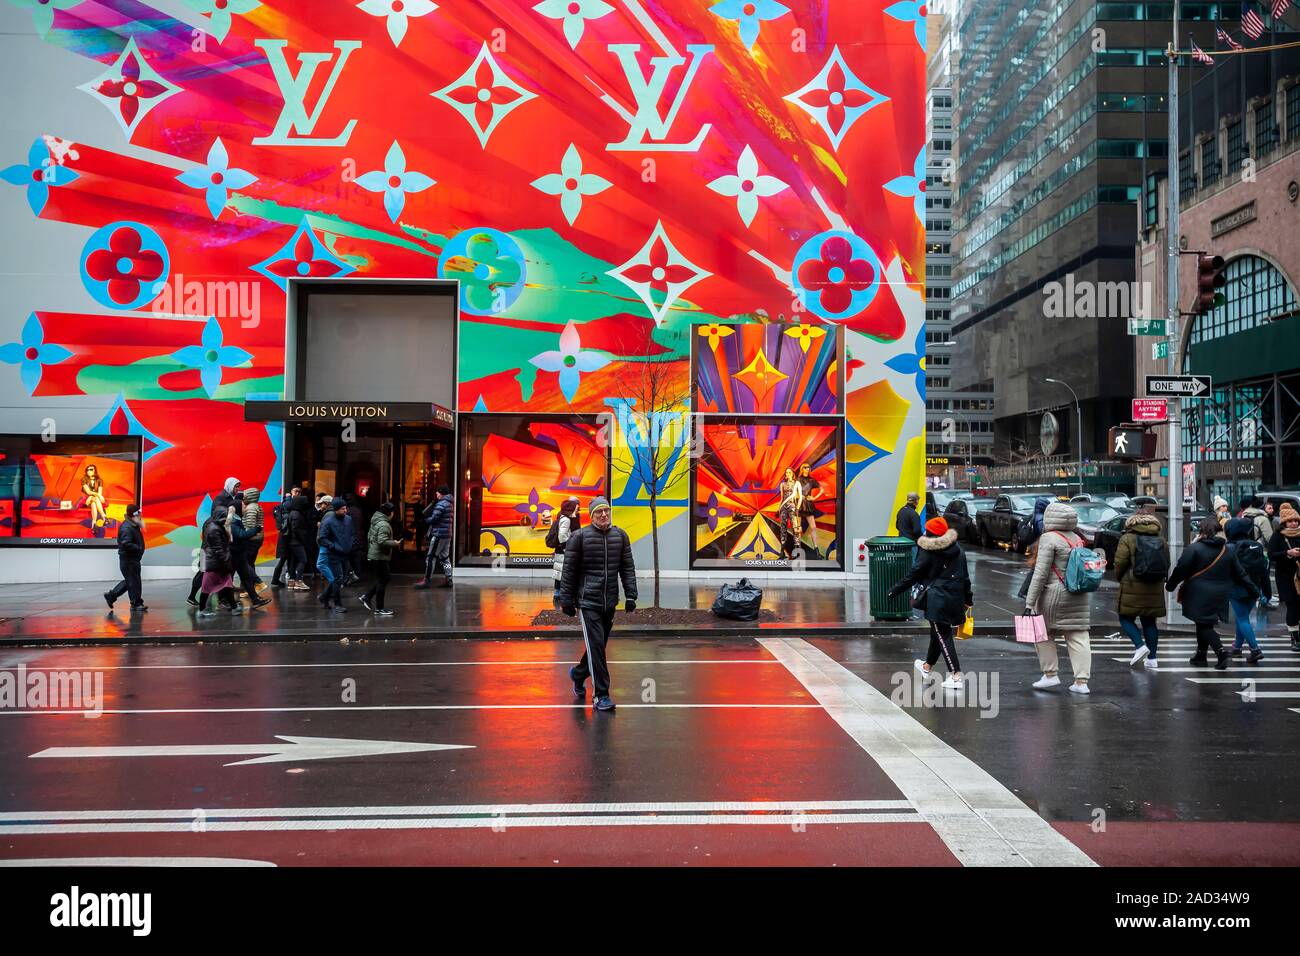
655, 423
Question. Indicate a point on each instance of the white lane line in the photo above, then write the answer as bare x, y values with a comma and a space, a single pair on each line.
1278, 694
244, 813
982, 822
1191, 669
1241, 680
394, 707
134, 861
460, 823
190, 667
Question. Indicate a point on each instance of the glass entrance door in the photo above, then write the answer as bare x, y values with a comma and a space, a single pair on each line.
421, 466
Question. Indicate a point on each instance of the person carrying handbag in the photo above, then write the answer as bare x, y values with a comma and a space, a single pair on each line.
1204, 579
945, 595
1064, 612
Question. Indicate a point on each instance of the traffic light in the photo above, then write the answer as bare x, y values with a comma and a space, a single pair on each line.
1209, 281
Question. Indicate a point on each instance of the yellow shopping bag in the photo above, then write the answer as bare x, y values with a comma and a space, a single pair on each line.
967, 629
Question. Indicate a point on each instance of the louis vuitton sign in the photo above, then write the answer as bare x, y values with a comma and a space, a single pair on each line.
423, 412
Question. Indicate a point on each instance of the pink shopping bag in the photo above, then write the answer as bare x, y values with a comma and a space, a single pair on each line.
1031, 629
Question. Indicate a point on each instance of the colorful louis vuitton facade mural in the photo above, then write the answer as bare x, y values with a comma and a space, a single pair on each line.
724, 198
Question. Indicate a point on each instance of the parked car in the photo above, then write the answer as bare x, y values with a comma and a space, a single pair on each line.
1001, 523
937, 501
1277, 497
961, 514
1092, 515
1107, 536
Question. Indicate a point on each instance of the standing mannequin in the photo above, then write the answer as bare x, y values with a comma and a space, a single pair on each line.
811, 490
791, 497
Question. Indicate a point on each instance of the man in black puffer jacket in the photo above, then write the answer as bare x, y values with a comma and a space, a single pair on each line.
130, 550
596, 559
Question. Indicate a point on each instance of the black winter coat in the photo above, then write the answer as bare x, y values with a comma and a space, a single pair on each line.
1284, 568
1205, 597
297, 523
940, 561
438, 517
908, 522
130, 541
216, 548
594, 563
336, 534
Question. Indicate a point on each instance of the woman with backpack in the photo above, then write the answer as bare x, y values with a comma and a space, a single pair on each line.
1250, 553
1065, 611
940, 567
1207, 571
558, 536
1141, 567
1284, 553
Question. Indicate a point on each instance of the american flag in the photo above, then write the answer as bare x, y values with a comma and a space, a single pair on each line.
1252, 24
1224, 38
1280, 7
1201, 56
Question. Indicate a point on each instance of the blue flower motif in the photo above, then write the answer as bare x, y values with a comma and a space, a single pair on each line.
217, 178
912, 186
749, 14
912, 363
212, 356
38, 174
32, 353
394, 182
910, 11
570, 361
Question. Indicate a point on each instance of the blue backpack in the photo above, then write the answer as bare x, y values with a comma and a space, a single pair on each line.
1084, 569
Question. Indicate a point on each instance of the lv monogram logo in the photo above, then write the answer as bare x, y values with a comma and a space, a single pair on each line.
294, 115
648, 128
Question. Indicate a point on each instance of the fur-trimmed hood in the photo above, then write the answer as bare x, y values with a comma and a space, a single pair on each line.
1142, 524
940, 543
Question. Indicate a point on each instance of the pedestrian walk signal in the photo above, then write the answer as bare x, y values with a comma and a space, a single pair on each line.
1209, 280
1132, 443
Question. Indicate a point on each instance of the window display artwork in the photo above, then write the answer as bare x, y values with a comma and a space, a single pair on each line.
516, 473
765, 495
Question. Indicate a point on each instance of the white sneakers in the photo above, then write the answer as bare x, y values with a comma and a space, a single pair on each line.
1151, 664
1045, 682
1079, 689
1139, 655
926, 673
953, 683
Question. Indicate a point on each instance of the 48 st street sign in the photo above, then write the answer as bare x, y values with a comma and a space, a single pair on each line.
1188, 386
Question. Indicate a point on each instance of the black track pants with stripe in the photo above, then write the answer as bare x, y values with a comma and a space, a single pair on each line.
596, 626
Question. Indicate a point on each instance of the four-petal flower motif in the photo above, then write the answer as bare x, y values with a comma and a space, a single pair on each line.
575, 14
715, 333
805, 335
836, 275
212, 356
32, 353
570, 361
217, 178
303, 256
43, 12
747, 186
219, 11
912, 186
910, 11
912, 363
38, 174
712, 511
534, 509
395, 181
124, 264
659, 267
398, 13
484, 95
836, 98
490, 267
749, 14
571, 184
130, 88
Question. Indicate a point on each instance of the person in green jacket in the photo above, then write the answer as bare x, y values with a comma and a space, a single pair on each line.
1142, 598
380, 544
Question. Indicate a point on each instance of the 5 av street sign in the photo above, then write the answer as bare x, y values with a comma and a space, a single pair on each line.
1190, 386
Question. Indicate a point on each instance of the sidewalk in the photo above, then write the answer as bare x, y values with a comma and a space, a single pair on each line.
492, 607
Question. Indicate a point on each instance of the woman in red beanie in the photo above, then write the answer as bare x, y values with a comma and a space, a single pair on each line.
940, 568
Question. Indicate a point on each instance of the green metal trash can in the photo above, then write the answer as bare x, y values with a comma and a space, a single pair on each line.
889, 559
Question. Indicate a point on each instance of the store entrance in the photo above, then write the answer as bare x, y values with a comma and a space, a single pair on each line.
371, 463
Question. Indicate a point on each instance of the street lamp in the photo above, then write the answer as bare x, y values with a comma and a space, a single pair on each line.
1078, 409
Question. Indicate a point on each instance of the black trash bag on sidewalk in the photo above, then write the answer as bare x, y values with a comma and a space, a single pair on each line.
739, 602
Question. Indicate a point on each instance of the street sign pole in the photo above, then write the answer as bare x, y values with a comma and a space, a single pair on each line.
1175, 491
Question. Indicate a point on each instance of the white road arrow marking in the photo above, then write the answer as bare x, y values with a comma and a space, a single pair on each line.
294, 749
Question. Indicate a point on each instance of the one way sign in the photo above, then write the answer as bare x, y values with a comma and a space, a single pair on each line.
1187, 385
